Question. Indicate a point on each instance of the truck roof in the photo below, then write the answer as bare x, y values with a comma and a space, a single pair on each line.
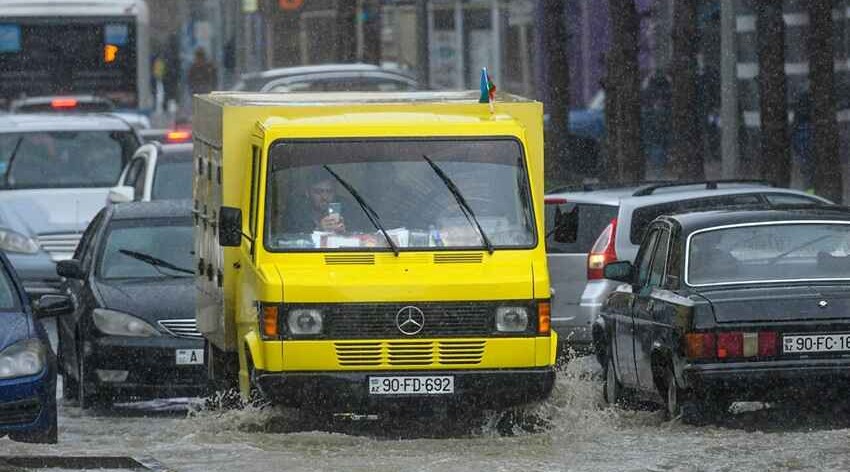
248, 99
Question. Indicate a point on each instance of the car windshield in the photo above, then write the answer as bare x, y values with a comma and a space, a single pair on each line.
314, 189
147, 249
769, 253
56, 159
172, 179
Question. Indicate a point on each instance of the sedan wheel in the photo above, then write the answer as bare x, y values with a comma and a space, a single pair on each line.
86, 398
681, 404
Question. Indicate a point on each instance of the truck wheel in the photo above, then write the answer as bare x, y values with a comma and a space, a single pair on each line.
255, 398
222, 369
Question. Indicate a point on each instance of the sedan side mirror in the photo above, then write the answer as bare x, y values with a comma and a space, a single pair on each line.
230, 227
121, 194
70, 269
53, 305
621, 271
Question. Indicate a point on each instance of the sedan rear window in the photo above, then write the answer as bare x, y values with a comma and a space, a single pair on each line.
572, 228
771, 252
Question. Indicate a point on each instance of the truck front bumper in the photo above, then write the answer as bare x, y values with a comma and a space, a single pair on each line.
349, 391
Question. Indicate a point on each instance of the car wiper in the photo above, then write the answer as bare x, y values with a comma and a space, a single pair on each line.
11, 160
154, 261
467, 210
370, 212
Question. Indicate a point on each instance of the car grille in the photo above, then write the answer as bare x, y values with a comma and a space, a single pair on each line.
19, 412
358, 321
60, 246
187, 328
409, 353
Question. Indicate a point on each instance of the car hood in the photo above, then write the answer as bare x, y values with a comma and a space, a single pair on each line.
13, 328
39, 211
795, 303
152, 300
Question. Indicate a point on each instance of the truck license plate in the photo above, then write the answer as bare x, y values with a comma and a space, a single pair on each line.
419, 385
816, 343
190, 356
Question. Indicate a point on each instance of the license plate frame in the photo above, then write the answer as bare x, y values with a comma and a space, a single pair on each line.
189, 356
418, 385
816, 343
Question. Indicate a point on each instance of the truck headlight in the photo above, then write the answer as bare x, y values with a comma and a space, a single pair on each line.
23, 358
121, 324
304, 321
511, 319
12, 241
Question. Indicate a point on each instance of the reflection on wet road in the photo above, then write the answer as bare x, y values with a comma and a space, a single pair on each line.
568, 432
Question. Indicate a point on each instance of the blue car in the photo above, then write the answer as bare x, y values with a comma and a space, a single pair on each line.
27, 363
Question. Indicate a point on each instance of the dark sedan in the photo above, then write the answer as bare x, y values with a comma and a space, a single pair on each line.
730, 306
132, 334
27, 365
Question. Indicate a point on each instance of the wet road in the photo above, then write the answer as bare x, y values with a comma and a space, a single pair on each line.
568, 432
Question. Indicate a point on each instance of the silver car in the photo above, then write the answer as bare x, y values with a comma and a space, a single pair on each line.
589, 227
55, 174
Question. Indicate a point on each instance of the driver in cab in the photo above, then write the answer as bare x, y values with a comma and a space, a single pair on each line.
321, 210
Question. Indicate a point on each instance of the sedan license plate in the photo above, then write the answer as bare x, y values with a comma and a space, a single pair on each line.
190, 356
409, 385
816, 343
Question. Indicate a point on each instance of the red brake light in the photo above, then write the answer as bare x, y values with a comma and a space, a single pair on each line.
730, 345
767, 343
555, 201
602, 252
178, 136
63, 103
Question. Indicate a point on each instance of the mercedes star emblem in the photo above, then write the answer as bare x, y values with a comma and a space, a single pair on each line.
410, 320
823, 303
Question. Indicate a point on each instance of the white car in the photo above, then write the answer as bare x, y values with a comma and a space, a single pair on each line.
55, 173
155, 172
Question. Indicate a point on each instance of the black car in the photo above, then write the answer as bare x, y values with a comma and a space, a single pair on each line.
724, 306
132, 334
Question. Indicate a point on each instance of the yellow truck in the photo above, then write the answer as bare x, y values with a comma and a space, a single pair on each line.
360, 250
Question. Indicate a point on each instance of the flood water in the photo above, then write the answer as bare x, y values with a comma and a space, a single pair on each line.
570, 431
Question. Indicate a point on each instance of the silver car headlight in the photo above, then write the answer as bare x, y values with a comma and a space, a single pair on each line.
24, 358
511, 319
121, 324
303, 321
13, 241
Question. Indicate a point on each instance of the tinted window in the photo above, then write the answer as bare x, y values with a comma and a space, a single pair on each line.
645, 257
63, 158
659, 260
572, 228
644, 215
162, 242
172, 180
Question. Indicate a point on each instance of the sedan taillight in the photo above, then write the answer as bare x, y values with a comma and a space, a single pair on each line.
731, 344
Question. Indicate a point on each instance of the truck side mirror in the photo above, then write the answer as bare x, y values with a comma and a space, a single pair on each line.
230, 227
70, 269
621, 271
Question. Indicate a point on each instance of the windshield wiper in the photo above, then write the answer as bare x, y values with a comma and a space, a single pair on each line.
467, 210
155, 261
370, 212
11, 160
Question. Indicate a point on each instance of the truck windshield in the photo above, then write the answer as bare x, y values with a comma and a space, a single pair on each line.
307, 209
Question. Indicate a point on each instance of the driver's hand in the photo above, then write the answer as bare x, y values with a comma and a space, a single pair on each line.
333, 224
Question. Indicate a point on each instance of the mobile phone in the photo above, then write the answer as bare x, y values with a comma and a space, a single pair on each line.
334, 208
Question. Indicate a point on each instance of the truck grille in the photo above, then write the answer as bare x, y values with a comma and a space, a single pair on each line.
358, 321
187, 328
409, 353
59, 246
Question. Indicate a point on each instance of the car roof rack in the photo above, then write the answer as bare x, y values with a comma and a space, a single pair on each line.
709, 185
592, 186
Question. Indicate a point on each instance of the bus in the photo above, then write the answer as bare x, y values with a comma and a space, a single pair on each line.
74, 47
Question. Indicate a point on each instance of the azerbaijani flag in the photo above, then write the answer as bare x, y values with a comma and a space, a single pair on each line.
488, 89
